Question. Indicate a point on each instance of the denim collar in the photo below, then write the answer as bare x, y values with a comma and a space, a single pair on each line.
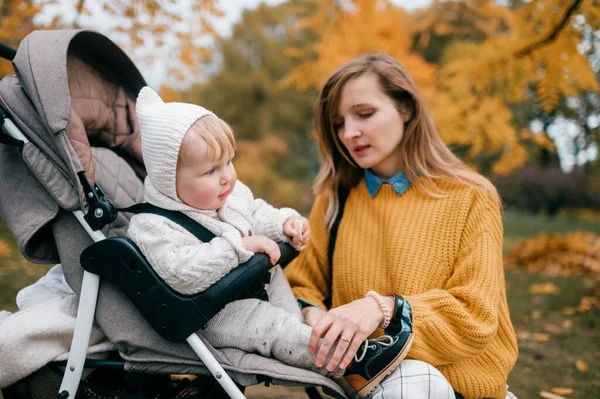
399, 182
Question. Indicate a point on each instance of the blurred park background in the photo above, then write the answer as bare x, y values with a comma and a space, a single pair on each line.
512, 84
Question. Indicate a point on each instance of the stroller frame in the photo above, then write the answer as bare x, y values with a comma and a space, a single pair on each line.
46, 161
87, 306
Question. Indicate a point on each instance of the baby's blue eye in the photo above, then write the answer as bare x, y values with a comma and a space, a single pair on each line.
210, 172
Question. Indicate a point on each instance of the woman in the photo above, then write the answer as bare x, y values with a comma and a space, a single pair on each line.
418, 226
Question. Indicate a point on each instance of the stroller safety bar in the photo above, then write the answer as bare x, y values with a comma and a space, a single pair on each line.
6, 52
172, 315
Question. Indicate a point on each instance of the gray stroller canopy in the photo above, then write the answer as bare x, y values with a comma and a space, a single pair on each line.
72, 88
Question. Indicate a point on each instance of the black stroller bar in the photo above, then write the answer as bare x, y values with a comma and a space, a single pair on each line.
172, 315
7, 138
7, 52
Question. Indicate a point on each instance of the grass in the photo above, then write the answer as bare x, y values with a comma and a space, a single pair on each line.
552, 338
543, 365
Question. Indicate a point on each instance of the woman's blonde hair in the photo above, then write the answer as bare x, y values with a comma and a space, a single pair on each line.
425, 157
217, 134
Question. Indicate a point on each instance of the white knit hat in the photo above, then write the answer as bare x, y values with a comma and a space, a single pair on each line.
162, 127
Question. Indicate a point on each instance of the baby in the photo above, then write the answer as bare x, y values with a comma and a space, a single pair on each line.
188, 154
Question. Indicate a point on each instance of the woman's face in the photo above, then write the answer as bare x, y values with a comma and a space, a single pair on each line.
370, 126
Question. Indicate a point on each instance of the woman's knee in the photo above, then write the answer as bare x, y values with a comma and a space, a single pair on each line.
415, 379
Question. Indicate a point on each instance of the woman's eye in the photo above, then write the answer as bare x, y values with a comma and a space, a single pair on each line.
338, 125
366, 114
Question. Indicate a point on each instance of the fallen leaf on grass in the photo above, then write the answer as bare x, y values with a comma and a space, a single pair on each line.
552, 329
568, 311
541, 337
5, 250
567, 324
587, 303
562, 391
582, 366
181, 377
543, 288
549, 395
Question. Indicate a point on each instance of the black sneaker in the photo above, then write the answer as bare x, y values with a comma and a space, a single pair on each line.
376, 360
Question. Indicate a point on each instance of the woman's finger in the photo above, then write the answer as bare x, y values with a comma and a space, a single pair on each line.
340, 348
327, 343
318, 331
355, 344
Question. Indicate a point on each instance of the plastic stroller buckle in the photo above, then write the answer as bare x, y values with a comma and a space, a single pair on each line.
101, 210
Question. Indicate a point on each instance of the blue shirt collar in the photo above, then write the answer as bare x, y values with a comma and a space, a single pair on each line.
399, 182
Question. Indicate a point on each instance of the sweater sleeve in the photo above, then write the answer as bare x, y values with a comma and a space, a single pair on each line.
460, 320
267, 220
309, 273
186, 264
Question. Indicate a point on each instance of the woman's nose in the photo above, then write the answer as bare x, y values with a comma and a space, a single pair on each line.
351, 131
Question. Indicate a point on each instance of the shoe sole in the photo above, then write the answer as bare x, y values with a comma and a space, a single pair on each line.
376, 381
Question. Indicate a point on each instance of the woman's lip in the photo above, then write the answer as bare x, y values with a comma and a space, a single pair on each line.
359, 149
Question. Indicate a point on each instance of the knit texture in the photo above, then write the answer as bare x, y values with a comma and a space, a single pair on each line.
444, 255
162, 127
190, 266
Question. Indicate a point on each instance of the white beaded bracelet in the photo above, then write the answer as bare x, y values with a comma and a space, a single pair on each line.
387, 315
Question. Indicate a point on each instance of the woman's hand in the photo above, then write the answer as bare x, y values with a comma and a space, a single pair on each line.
262, 244
289, 229
349, 325
312, 315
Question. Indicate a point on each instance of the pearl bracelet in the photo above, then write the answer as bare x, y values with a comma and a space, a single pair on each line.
384, 308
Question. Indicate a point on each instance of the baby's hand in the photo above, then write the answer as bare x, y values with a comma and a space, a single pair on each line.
298, 229
262, 244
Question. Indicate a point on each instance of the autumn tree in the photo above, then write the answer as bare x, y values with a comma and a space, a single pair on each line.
498, 66
272, 122
347, 29
16, 21
173, 34
505, 65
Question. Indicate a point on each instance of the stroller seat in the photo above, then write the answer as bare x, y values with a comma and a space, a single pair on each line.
135, 311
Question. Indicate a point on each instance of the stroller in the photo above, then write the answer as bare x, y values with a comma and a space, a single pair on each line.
70, 157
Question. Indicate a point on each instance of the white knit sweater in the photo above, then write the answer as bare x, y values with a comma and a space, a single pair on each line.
190, 266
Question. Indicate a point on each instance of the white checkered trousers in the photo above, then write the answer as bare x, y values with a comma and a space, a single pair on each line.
415, 379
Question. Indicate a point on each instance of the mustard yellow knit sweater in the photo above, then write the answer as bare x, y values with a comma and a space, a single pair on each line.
443, 255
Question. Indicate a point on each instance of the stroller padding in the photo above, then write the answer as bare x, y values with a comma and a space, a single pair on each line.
172, 315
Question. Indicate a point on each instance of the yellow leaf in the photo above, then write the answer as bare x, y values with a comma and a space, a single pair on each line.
562, 391
568, 311
5, 250
582, 366
541, 337
549, 395
543, 288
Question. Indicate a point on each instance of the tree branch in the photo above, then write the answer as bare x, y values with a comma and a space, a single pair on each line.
552, 35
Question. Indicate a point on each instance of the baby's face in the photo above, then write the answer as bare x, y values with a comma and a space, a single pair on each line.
203, 182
